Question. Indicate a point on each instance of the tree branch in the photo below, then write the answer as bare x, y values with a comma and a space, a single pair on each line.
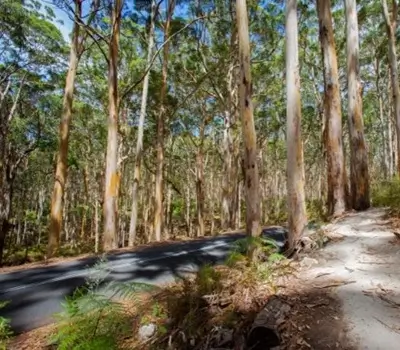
130, 88
14, 106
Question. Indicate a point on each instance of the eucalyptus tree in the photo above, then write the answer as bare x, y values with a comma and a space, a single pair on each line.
332, 112
112, 175
250, 166
159, 186
31, 49
77, 46
139, 142
359, 174
297, 216
391, 27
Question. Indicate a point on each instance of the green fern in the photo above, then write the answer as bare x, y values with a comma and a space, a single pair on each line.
264, 246
94, 317
5, 329
208, 280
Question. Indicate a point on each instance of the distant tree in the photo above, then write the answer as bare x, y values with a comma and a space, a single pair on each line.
159, 188
142, 116
391, 27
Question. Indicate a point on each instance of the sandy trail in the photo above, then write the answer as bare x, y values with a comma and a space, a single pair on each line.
368, 257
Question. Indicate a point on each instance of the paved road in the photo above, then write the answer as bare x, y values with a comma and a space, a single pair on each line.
36, 294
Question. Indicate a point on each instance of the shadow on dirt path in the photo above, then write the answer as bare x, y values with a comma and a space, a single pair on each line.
362, 271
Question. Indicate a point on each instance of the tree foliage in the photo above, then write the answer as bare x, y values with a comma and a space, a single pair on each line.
203, 174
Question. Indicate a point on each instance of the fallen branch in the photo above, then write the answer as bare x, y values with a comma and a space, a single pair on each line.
335, 284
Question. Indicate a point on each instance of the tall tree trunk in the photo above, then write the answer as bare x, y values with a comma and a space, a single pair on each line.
385, 154
188, 205
212, 205
390, 142
297, 217
359, 174
200, 183
96, 226
251, 181
56, 212
391, 26
158, 209
227, 171
139, 143
230, 151
111, 171
5, 203
7, 166
333, 114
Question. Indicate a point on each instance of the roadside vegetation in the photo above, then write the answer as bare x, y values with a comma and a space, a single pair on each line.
387, 194
194, 312
5, 329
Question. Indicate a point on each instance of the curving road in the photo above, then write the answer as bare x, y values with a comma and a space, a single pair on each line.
36, 294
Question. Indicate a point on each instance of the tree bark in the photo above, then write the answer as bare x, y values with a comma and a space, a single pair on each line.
391, 125
385, 148
8, 167
111, 172
227, 171
251, 181
61, 167
158, 208
200, 183
297, 217
391, 26
139, 144
333, 114
359, 174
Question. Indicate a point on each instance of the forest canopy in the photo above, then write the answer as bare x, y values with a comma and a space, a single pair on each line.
157, 120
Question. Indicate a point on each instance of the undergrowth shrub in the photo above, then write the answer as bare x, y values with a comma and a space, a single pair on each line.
316, 210
94, 317
184, 315
5, 329
219, 297
387, 194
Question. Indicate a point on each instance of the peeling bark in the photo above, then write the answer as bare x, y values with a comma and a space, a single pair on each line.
391, 27
110, 240
332, 112
359, 173
297, 217
250, 164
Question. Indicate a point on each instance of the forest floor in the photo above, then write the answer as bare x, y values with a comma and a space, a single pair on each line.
345, 296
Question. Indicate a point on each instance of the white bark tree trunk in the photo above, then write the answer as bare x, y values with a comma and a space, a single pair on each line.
251, 181
297, 217
139, 144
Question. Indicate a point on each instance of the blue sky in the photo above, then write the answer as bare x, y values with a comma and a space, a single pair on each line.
66, 27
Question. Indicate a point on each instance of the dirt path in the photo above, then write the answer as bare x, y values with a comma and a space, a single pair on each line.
365, 265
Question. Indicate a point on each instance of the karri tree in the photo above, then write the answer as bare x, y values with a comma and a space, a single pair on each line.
250, 166
359, 173
297, 216
332, 112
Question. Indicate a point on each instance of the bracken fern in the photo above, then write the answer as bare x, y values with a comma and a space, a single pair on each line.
94, 318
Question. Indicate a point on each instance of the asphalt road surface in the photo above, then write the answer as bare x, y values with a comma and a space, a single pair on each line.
36, 294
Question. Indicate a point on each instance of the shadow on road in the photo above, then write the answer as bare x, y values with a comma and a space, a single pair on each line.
36, 294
